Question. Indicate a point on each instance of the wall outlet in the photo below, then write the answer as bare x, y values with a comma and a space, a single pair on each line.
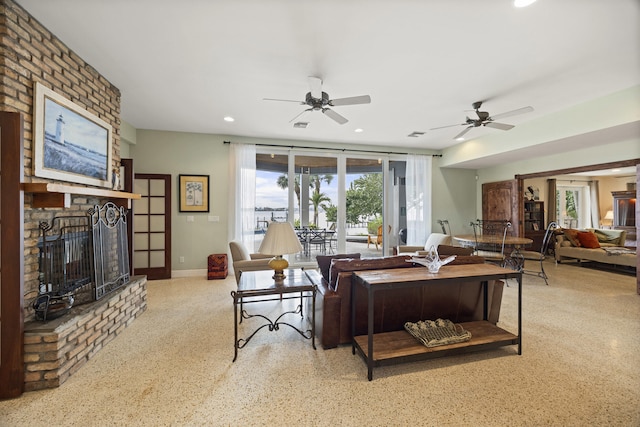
181, 259
190, 218
214, 218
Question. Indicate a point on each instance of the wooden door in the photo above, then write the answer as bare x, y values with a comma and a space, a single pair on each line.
500, 201
152, 226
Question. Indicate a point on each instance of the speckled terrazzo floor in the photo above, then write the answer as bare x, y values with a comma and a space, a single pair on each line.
580, 366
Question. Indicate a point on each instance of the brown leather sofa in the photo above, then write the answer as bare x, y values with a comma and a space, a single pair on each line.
458, 303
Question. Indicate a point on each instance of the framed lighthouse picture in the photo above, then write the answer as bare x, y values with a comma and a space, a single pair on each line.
70, 143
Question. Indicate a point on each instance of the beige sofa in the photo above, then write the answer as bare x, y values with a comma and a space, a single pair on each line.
611, 250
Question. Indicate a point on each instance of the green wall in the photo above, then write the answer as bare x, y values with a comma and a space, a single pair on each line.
455, 191
178, 153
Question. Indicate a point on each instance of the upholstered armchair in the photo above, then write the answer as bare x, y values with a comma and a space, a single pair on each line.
434, 239
244, 261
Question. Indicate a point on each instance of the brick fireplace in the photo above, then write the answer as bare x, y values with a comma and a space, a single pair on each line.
45, 354
56, 349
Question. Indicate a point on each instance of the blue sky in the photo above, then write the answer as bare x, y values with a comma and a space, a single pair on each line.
269, 194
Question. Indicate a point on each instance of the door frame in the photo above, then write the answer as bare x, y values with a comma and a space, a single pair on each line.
611, 165
165, 272
11, 255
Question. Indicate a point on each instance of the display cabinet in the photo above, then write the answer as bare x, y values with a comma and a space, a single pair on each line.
533, 215
534, 224
624, 212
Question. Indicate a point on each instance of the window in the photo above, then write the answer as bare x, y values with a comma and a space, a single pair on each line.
573, 202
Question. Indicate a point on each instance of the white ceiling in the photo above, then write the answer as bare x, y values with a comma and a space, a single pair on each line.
183, 66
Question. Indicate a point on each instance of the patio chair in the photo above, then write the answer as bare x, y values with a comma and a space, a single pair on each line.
332, 238
318, 238
376, 239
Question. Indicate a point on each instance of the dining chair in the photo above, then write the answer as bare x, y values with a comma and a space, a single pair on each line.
444, 224
541, 255
490, 236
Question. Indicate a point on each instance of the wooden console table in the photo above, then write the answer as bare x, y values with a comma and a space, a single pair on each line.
399, 346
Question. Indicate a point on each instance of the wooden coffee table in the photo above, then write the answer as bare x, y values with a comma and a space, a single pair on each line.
259, 286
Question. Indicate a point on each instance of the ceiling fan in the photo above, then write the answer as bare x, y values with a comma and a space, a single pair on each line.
484, 119
317, 100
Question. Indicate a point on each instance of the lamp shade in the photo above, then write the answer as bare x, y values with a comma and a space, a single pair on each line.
280, 239
609, 215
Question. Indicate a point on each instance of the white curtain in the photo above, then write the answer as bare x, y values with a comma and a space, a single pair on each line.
594, 190
242, 194
418, 194
552, 203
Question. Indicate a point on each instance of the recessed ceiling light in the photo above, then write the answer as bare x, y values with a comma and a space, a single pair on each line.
229, 119
523, 3
359, 130
461, 138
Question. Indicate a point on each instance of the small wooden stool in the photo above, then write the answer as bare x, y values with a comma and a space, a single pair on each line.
217, 266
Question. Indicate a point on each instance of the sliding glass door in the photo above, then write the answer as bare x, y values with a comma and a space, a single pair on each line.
272, 193
364, 205
338, 203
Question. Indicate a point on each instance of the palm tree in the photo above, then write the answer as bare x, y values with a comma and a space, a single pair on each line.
316, 199
283, 182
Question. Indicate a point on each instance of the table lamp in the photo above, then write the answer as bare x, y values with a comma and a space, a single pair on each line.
609, 216
280, 239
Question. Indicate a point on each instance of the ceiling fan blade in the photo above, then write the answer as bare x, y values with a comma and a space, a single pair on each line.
461, 134
284, 100
499, 125
300, 115
315, 84
362, 99
335, 116
448, 126
512, 113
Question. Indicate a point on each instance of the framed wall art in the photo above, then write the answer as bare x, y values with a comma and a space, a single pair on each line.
70, 143
194, 193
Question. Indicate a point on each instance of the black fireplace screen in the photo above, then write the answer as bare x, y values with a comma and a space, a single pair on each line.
85, 254
65, 255
110, 248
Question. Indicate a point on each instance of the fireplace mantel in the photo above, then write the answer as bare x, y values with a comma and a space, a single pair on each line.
53, 195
